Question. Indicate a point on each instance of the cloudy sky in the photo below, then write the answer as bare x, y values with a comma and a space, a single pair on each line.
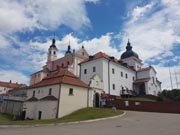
27, 28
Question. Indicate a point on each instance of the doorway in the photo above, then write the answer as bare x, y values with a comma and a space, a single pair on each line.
39, 115
142, 90
97, 100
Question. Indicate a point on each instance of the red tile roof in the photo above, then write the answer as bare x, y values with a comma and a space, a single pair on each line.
100, 55
61, 76
10, 85
142, 80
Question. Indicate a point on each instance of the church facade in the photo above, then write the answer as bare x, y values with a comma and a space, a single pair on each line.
120, 77
70, 62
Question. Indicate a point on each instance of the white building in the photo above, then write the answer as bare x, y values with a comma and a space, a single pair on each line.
57, 95
121, 77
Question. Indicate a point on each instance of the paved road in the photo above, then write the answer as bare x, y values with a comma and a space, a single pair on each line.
135, 123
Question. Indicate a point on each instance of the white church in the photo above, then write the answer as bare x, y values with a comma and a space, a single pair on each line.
78, 80
121, 77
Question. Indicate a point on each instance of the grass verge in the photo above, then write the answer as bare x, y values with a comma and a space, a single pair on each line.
80, 115
139, 99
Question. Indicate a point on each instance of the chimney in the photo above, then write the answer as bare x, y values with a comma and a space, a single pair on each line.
10, 81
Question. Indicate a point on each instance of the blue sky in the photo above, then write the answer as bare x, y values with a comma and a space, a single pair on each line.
27, 28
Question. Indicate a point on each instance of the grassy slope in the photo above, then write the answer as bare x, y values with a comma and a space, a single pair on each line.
83, 114
138, 99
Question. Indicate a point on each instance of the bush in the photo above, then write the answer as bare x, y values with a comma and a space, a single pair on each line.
169, 95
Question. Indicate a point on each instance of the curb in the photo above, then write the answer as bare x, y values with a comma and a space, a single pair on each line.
60, 124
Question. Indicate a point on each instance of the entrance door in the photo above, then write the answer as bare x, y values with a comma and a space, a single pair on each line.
39, 115
142, 90
97, 100
23, 115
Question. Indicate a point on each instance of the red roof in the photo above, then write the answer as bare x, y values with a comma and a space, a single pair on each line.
10, 84
100, 55
61, 76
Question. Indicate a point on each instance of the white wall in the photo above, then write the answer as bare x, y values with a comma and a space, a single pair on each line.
102, 71
43, 91
71, 103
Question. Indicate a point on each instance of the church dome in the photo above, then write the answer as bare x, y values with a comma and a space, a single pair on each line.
129, 52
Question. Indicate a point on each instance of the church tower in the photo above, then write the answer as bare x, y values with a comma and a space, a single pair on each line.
131, 58
52, 51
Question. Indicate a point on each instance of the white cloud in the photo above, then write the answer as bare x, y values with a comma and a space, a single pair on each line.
14, 76
155, 33
139, 12
154, 29
42, 14
164, 76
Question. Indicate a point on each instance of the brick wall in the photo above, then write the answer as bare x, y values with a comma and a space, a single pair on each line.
163, 107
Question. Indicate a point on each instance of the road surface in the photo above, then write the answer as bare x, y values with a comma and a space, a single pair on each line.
133, 123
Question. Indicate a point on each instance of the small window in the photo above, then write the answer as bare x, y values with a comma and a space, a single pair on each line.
49, 52
54, 52
126, 75
50, 91
85, 71
70, 91
113, 86
133, 78
94, 69
121, 74
33, 93
83, 53
62, 65
113, 71
153, 79
68, 63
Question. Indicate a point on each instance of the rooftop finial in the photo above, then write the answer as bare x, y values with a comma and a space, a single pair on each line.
82, 46
53, 40
128, 42
128, 47
69, 48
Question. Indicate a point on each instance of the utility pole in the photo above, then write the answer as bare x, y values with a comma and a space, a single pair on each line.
170, 77
176, 78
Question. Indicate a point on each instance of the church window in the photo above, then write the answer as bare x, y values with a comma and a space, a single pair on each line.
70, 91
126, 75
85, 71
68, 63
153, 79
54, 52
113, 86
121, 74
49, 52
113, 71
50, 91
94, 69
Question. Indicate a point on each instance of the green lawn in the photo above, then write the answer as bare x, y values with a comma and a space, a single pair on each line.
138, 99
80, 115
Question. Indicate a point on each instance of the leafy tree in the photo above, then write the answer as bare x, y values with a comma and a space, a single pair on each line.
169, 95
